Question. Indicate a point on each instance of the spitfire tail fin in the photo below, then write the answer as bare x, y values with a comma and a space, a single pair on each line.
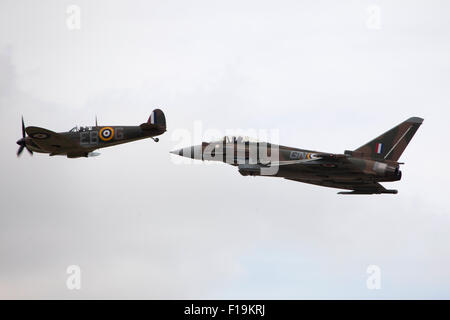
157, 118
391, 144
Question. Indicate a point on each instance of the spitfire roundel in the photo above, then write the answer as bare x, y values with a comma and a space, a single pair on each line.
40, 135
106, 133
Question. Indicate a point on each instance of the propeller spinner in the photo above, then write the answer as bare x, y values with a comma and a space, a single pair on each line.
22, 142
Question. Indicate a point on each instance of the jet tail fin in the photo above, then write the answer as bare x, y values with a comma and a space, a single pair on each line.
391, 144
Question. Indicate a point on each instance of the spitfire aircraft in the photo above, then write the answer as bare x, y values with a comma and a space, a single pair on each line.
82, 141
360, 171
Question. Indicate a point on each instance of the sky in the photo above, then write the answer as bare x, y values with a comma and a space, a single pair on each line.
141, 224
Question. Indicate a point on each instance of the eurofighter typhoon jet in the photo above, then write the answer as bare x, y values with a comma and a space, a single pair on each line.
82, 141
360, 171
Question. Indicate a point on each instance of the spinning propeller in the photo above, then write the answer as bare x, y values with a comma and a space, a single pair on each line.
22, 142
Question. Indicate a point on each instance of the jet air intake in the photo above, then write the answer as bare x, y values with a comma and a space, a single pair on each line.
249, 169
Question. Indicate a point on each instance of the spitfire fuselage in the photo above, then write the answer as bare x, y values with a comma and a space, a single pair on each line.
81, 142
89, 139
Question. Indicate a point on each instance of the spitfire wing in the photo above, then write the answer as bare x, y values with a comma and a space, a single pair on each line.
50, 141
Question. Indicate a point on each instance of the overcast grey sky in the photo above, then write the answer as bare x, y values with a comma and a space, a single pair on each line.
141, 226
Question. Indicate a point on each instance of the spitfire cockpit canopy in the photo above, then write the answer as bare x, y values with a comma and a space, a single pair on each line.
80, 129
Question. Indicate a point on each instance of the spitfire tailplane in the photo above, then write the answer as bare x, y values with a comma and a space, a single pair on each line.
391, 144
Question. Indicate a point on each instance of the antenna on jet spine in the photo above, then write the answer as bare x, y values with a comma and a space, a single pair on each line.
96, 124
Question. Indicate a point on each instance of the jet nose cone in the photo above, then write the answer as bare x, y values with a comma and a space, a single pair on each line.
177, 152
193, 152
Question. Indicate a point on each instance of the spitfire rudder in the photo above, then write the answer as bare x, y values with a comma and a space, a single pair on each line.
157, 118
